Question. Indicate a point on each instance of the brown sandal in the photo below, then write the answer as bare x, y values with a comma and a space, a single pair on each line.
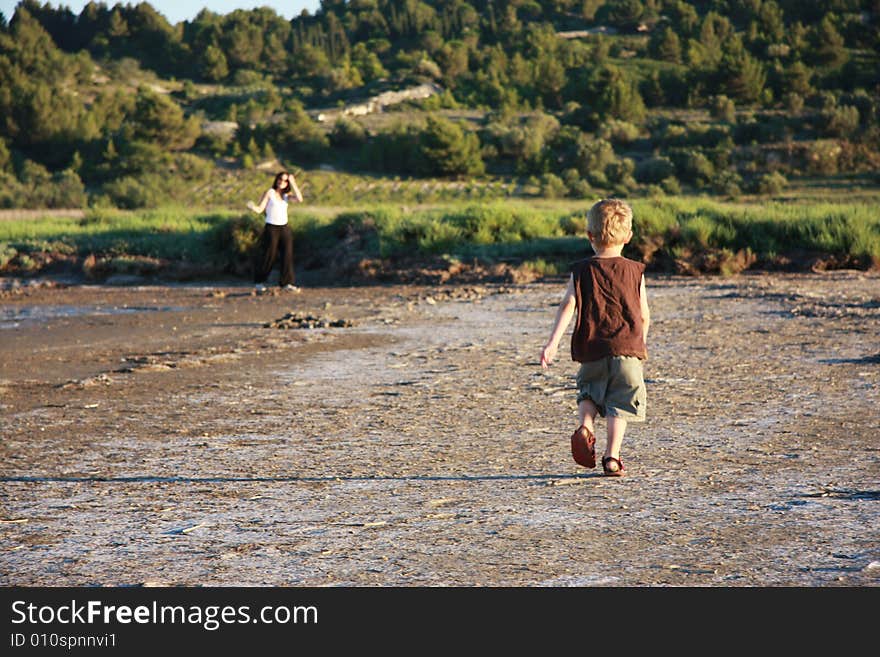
617, 472
583, 447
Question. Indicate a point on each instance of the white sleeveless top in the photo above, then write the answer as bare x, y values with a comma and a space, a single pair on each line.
276, 209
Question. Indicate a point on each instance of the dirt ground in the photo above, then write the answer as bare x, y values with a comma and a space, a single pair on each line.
202, 435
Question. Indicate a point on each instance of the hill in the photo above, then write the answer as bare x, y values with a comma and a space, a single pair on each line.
117, 107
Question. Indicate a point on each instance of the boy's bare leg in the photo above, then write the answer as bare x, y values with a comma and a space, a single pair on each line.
616, 427
587, 411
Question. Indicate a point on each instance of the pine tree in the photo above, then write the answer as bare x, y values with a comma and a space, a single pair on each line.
446, 150
665, 45
742, 75
213, 64
828, 45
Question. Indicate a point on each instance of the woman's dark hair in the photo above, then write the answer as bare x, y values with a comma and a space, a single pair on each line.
277, 183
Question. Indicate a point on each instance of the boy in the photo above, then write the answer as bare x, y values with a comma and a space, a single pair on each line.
610, 335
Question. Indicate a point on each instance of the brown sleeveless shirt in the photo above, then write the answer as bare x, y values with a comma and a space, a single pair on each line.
609, 311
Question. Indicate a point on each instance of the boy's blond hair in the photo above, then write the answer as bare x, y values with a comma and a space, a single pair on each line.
609, 221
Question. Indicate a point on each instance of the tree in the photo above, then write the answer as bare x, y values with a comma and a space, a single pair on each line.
827, 44
159, 120
592, 157
40, 112
707, 51
624, 14
741, 75
616, 95
242, 41
453, 59
550, 79
298, 135
447, 150
654, 170
684, 17
5, 157
310, 61
213, 64
347, 133
724, 109
30, 47
796, 79
665, 45
588, 8
771, 21
524, 139
367, 63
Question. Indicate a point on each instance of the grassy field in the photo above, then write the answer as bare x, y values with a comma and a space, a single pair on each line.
682, 234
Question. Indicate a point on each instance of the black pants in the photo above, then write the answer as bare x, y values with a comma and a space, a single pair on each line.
273, 239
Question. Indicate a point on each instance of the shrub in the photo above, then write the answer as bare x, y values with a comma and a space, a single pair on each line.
540, 267
236, 240
618, 132
580, 189
597, 178
5, 157
692, 166
247, 78
552, 186
298, 136
859, 99
621, 171
570, 176
727, 183
7, 253
794, 103
393, 150
771, 183
347, 132
840, 121
65, 191
594, 156
823, 157
132, 192
523, 140
654, 170
723, 108
670, 185
673, 135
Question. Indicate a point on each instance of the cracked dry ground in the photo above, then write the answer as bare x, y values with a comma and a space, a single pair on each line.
174, 435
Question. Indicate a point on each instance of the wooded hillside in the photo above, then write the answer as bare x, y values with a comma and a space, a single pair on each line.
115, 106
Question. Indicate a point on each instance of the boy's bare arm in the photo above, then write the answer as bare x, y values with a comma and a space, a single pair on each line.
563, 317
646, 312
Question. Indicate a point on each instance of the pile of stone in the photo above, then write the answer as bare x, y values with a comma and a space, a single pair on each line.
307, 321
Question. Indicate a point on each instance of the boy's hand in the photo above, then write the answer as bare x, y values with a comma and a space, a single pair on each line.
548, 353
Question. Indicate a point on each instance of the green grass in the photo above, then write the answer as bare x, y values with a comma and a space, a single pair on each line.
171, 233
768, 228
541, 234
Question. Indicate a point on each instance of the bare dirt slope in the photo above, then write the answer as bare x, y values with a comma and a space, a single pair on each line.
166, 435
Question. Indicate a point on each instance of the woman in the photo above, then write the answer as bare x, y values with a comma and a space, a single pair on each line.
276, 232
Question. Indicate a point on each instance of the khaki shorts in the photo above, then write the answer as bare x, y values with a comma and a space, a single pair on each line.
616, 385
